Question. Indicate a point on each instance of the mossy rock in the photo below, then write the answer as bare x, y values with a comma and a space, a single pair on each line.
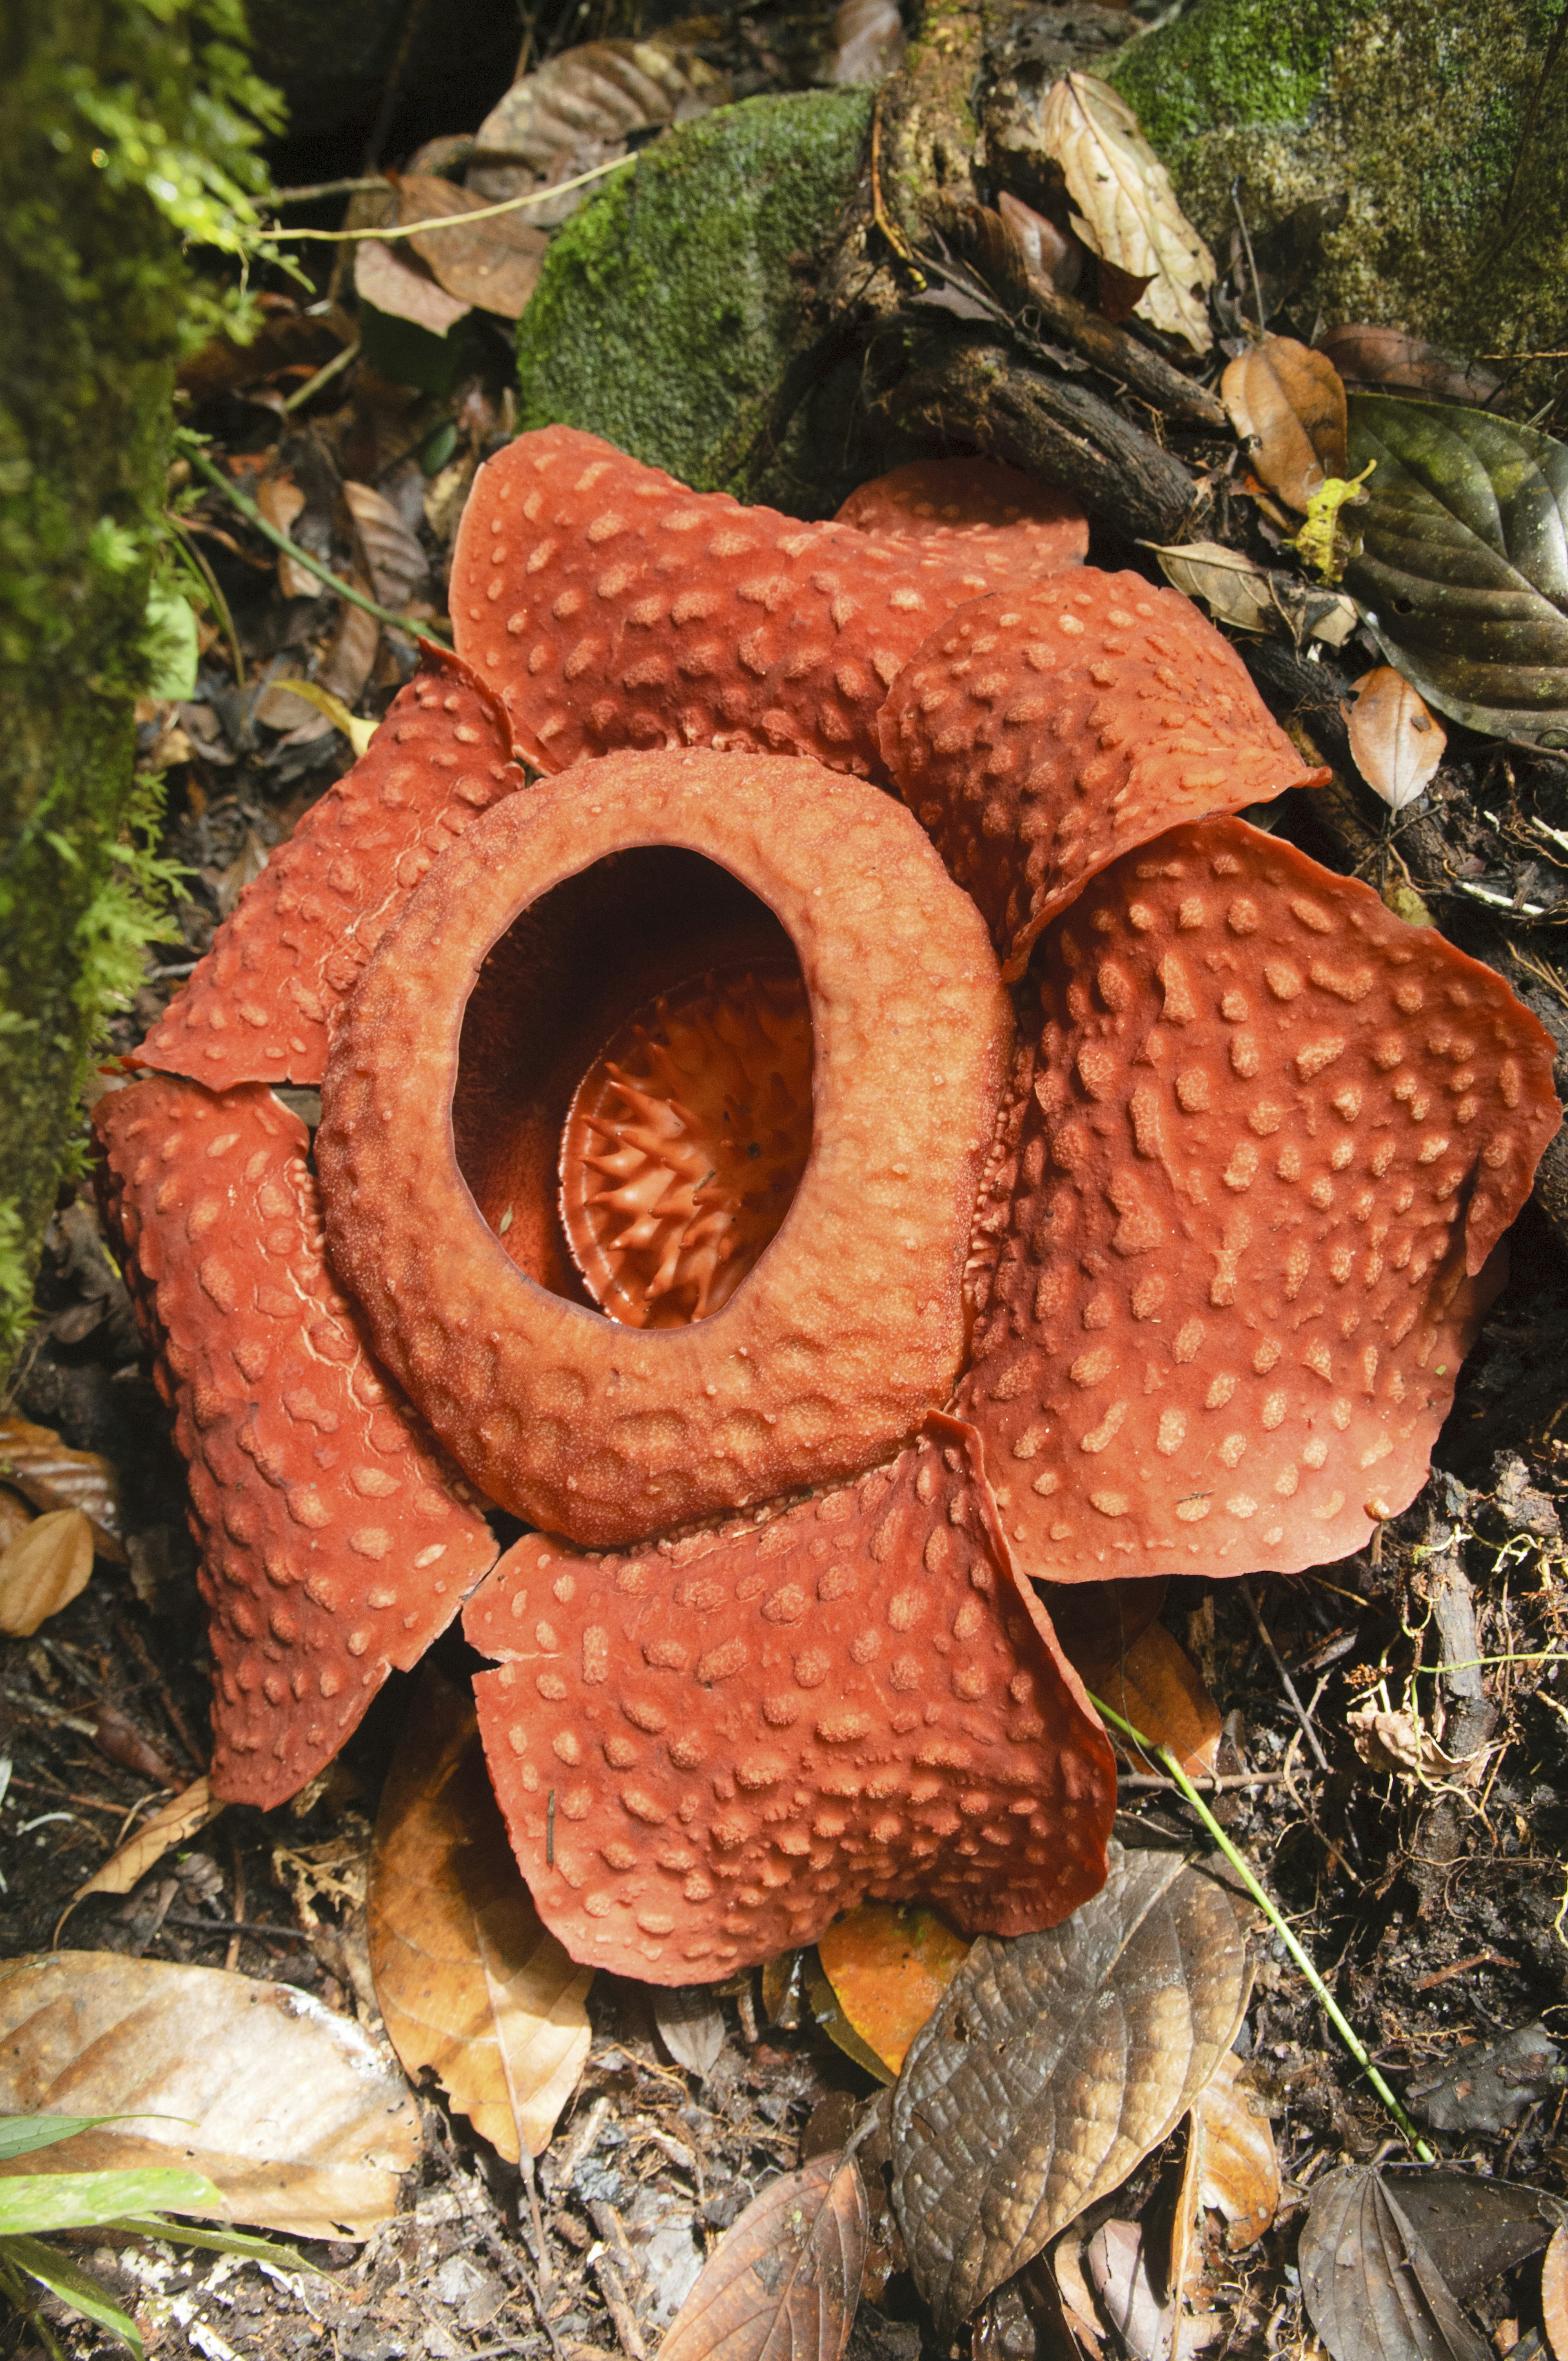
1407, 118
671, 315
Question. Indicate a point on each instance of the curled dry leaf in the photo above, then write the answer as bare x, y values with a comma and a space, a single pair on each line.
388, 280
281, 501
889, 1969
1117, 2262
1396, 363
1463, 561
351, 652
392, 552
358, 733
1053, 2064
786, 2277
466, 1978
1252, 598
1126, 211
1396, 744
1286, 403
169, 1825
1158, 1687
691, 2025
42, 1569
1474, 2227
494, 264
1489, 2087
1049, 254
1401, 1745
303, 2122
15, 1516
1372, 2292
36, 1462
1238, 2167
579, 109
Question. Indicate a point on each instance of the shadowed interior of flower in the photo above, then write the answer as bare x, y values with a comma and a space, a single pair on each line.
685, 1142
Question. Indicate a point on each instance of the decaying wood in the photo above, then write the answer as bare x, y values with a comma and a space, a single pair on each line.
978, 393
1126, 360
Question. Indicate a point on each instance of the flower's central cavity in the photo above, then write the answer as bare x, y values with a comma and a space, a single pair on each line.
685, 1141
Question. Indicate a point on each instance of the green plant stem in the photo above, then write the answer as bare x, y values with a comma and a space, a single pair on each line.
460, 221
323, 376
185, 548
1271, 1911
248, 510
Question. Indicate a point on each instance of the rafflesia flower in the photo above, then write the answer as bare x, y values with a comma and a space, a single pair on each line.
692, 1185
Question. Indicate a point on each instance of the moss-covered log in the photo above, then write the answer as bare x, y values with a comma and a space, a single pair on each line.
118, 133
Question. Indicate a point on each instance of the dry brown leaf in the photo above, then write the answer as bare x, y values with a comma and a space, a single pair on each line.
35, 1462
467, 1979
14, 1515
494, 264
1125, 208
1554, 2294
1117, 2265
1238, 2169
303, 2121
1053, 2064
393, 550
1372, 2288
578, 110
1397, 740
169, 1825
43, 1569
1286, 403
1158, 1687
280, 501
1233, 588
382, 277
1397, 363
1398, 1745
251, 859
1048, 256
351, 654
786, 2277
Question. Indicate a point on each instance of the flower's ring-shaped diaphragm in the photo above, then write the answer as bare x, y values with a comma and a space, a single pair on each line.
850, 1328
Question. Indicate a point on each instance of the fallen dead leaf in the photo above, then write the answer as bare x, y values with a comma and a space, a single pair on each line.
1233, 588
828, 2010
494, 264
1054, 2063
36, 1462
1158, 1687
1117, 2265
1395, 739
393, 551
1286, 403
786, 2277
1397, 363
1238, 2169
15, 1516
889, 1967
169, 1825
388, 280
1398, 1745
466, 1978
351, 654
691, 2025
250, 860
1554, 2294
358, 732
579, 109
47, 1566
1372, 2292
1049, 254
1125, 208
302, 2121
280, 501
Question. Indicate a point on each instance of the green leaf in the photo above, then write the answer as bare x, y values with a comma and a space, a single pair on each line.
1464, 561
19, 2135
170, 641
217, 2241
76, 2287
82, 2200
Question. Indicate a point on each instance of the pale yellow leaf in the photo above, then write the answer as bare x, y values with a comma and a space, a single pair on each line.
42, 1569
1125, 209
468, 1981
358, 732
169, 1825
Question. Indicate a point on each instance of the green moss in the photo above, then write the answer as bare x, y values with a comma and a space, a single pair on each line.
125, 129
1408, 118
670, 308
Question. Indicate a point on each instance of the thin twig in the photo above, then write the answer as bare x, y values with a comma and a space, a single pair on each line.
1140, 1781
1277, 1919
1302, 1716
1251, 263
317, 190
459, 221
248, 510
323, 376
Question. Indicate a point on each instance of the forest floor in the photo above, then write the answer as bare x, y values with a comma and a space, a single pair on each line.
1433, 1899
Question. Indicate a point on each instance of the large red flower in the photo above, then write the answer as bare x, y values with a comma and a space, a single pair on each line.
689, 1185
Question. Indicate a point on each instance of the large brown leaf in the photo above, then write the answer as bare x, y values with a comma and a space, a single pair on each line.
579, 109
303, 2122
786, 2279
1287, 402
1373, 2291
467, 1979
1053, 2064
492, 263
1126, 211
